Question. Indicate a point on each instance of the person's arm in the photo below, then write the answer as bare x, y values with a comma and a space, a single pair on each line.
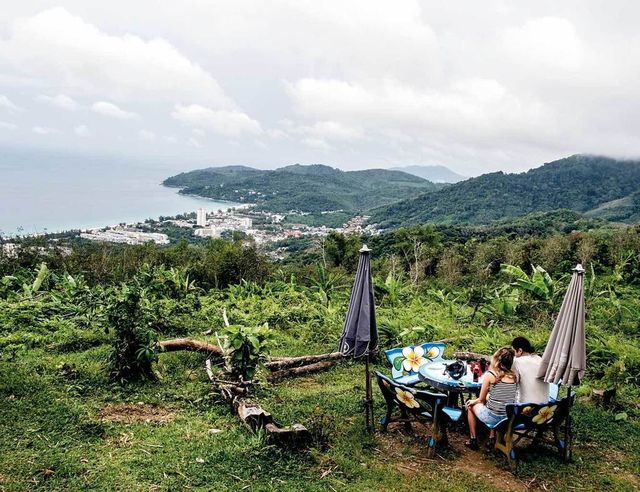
487, 381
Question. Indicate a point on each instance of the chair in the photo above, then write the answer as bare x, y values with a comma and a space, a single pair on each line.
405, 361
419, 405
531, 421
554, 390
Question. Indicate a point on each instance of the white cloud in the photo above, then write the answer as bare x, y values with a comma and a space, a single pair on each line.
60, 101
6, 103
192, 142
44, 130
81, 131
545, 43
68, 51
109, 109
171, 139
146, 135
223, 122
5, 125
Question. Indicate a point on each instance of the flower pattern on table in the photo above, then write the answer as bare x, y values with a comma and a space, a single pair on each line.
407, 398
544, 414
413, 358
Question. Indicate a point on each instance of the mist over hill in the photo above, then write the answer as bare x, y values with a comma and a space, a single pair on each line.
435, 174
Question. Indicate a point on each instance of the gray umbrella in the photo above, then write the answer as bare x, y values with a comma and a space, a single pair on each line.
360, 334
565, 358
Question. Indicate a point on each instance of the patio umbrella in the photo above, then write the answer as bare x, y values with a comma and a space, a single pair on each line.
360, 334
565, 358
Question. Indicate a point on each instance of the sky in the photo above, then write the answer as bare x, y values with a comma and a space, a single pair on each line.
476, 86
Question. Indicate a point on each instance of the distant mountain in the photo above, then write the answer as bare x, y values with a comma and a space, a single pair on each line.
596, 186
314, 188
435, 174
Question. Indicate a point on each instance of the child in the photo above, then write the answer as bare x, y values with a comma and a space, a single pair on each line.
498, 389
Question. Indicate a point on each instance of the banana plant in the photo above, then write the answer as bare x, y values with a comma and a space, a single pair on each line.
539, 283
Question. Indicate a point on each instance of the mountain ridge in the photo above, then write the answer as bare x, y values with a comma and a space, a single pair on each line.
312, 189
579, 182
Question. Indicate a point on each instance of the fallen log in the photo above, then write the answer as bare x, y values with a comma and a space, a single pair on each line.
300, 371
189, 344
279, 363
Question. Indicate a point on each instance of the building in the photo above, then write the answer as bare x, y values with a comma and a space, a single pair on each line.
201, 217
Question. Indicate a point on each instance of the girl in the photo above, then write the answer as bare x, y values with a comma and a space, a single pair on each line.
498, 389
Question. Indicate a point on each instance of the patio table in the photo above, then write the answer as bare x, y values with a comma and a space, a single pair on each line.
435, 376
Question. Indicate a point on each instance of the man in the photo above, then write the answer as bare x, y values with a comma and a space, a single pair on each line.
526, 365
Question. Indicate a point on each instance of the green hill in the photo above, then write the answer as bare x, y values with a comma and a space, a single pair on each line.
580, 183
314, 188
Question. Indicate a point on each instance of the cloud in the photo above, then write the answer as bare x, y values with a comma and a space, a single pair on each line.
67, 51
81, 131
146, 135
5, 125
109, 109
545, 43
44, 130
60, 101
223, 122
5, 103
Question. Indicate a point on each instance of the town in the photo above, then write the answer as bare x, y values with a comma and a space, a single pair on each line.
261, 227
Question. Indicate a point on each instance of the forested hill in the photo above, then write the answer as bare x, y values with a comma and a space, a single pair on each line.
597, 186
314, 188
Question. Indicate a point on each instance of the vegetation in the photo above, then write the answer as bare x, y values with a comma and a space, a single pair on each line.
599, 186
89, 402
312, 189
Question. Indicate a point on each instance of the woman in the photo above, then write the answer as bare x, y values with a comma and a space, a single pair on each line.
499, 387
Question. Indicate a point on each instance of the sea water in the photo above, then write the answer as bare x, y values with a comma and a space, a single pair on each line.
52, 192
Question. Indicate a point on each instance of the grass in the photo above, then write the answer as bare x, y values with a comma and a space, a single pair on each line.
55, 439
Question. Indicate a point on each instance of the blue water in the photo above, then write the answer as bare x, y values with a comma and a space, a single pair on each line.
45, 192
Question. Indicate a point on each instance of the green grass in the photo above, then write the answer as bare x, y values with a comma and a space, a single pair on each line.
54, 389
50, 420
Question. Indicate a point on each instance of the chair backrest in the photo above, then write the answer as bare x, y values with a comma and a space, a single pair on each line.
406, 360
539, 415
410, 399
554, 390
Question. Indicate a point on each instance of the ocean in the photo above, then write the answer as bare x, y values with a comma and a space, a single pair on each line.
52, 192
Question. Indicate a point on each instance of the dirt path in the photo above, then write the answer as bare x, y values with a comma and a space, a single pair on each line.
400, 451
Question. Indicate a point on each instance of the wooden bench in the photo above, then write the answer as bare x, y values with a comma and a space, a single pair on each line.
405, 361
533, 421
415, 404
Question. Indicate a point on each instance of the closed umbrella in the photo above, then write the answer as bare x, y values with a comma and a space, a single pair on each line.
565, 357
360, 334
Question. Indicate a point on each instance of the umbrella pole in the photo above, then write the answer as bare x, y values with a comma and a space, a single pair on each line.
368, 403
568, 438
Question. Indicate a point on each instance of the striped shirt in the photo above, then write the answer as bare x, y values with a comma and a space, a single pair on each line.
500, 394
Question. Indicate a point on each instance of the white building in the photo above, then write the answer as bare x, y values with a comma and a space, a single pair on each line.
201, 217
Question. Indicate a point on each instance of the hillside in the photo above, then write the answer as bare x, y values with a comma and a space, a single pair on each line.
435, 174
314, 188
581, 183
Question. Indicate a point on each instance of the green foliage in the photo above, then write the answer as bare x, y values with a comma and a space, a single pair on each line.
245, 347
539, 283
129, 315
580, 183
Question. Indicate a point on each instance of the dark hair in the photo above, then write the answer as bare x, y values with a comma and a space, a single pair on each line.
522, 343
